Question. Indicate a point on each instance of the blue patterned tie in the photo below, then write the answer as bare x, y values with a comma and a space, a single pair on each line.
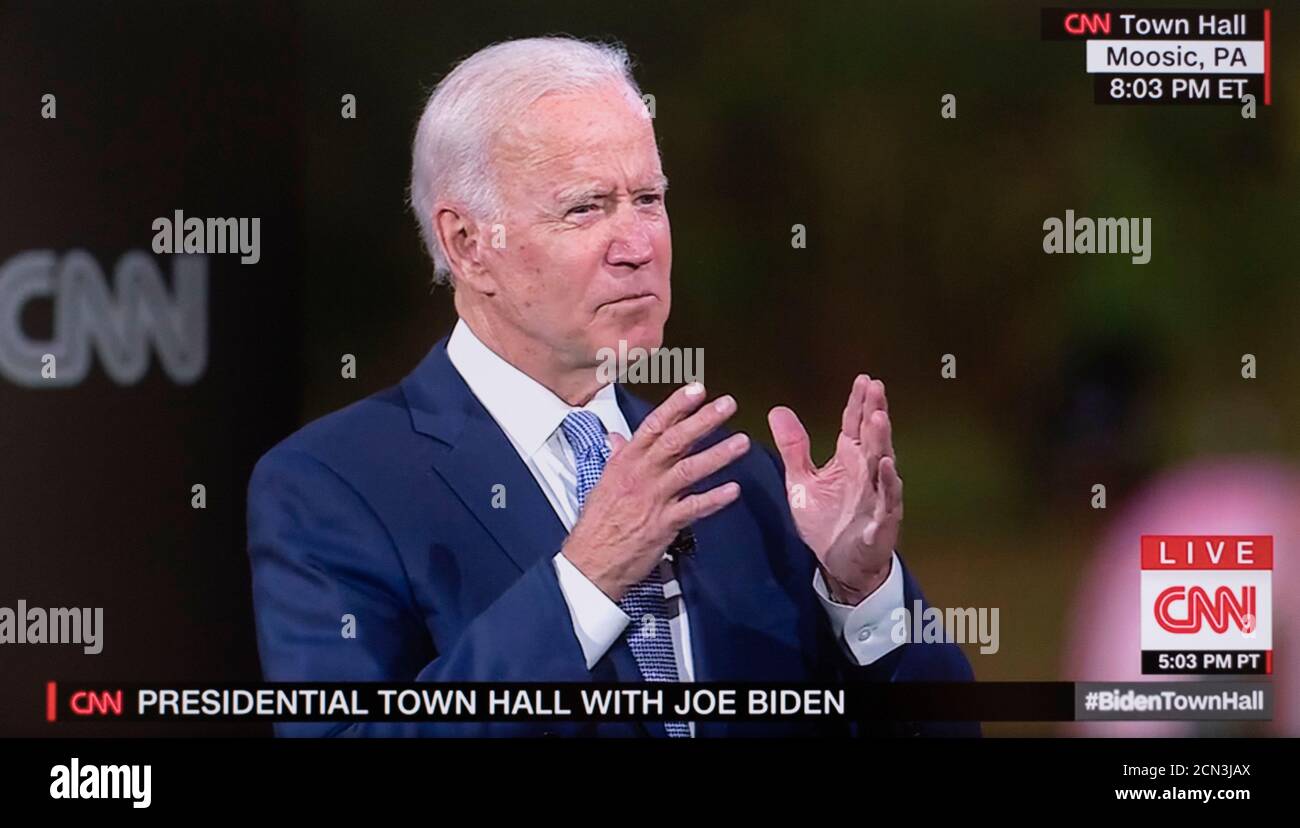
649, 635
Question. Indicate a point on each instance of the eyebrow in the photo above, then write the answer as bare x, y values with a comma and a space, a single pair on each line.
584, 193
661, 183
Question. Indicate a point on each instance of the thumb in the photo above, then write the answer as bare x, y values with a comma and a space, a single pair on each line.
616, 442
791, 441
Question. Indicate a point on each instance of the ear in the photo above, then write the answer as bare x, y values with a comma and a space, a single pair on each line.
464, 244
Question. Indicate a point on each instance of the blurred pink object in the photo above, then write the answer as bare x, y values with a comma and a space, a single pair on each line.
1228, 496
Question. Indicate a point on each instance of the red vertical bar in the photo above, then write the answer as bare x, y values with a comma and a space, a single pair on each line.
1268, 662
1268, 57
51, 701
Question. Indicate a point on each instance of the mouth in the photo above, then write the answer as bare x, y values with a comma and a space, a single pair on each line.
629, 302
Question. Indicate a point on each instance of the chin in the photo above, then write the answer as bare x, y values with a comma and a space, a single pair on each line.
642, 330
647, 334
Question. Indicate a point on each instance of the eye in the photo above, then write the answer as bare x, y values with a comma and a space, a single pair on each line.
650, 198
581, 210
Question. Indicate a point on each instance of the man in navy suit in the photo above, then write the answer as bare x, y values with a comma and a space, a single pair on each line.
508, 514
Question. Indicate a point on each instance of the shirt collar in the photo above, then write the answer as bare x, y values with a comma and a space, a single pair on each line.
527, 411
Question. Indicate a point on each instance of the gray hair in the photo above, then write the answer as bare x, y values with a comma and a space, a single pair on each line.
449, 157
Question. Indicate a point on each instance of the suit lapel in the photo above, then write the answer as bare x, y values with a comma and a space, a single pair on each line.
477, 458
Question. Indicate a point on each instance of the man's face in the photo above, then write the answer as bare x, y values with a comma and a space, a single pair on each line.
587, 250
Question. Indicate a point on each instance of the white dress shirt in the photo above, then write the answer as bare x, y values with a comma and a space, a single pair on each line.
530, 415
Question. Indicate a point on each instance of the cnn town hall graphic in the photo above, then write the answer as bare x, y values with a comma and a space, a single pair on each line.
1172, 56
1207, 604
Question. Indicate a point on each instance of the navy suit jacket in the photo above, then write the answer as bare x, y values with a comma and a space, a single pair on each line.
384, 511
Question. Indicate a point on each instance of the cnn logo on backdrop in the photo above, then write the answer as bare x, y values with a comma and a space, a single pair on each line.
1204, 595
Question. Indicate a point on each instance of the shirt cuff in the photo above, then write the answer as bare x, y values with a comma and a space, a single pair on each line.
862, 630
597, 621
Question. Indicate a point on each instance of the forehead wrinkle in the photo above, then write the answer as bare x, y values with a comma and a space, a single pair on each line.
564, 176
549, 150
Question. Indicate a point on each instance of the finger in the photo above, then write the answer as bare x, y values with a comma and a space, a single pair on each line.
869, 532
877, 395
680, 403
696, 506
616, 442
874, 438
888, 503
873, 399
678, 440
852, 417
791, 441
882, 428
690, 470
892, 485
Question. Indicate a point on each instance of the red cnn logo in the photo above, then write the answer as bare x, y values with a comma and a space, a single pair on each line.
1199, 609
104, 703
1080, 23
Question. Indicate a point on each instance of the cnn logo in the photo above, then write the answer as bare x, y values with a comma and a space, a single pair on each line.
90, 703
1183, 610
1079, 23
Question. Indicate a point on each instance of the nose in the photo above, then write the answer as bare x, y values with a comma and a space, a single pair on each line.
631, 245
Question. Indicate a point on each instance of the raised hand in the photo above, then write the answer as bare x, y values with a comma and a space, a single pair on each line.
848, 511
638, 506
